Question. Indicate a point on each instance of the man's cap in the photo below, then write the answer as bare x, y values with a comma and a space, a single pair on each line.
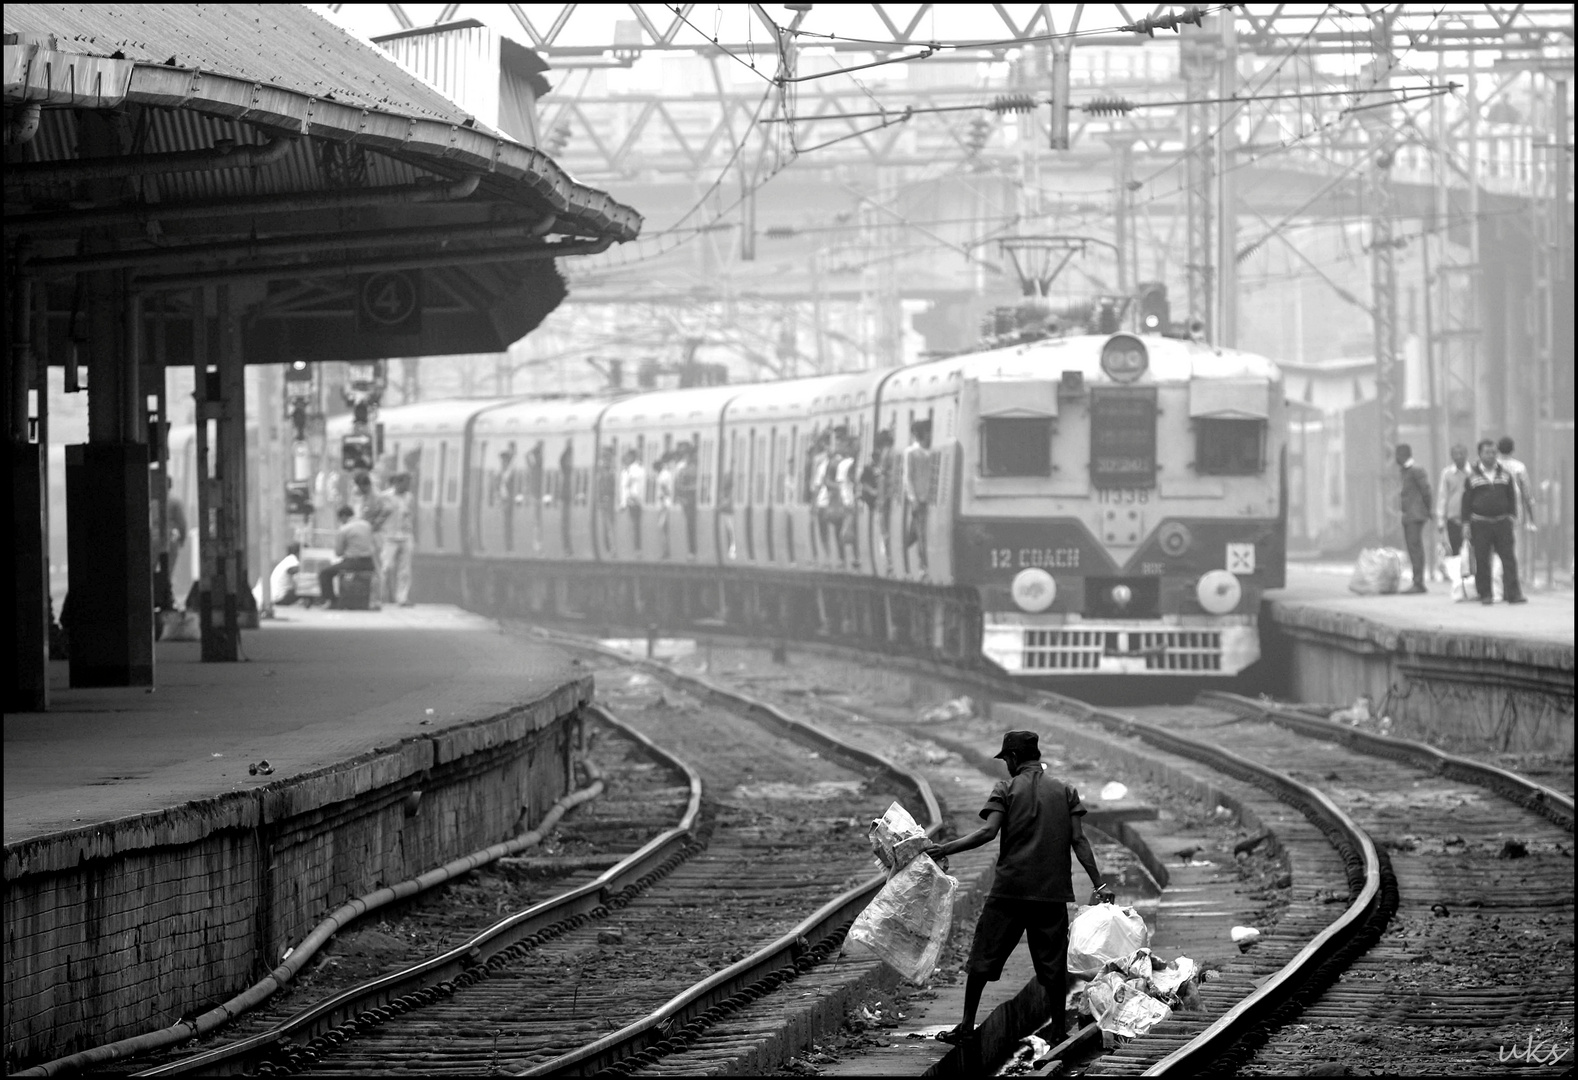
1021, 744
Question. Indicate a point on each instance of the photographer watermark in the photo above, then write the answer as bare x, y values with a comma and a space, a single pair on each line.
1537, 1049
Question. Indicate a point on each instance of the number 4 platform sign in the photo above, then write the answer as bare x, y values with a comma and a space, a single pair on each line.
390, 303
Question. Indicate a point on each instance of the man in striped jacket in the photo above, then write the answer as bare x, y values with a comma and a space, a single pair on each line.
1490, 507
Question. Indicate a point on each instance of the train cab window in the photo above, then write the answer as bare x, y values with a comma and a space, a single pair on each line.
1229, 446
1016, 446
1123, 437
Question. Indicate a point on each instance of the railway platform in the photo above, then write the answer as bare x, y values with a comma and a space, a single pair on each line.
152, 868
1496, 679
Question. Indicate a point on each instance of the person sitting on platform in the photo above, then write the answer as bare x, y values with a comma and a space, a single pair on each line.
353, 553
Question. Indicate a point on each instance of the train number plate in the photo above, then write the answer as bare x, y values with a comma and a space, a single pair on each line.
1123, 495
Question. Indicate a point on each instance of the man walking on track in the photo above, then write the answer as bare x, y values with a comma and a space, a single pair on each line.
1416, 498
1039, 819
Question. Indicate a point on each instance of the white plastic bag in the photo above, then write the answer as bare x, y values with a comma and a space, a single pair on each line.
1101, 934
1377, 570
908, 921
896, 838
1122, 1007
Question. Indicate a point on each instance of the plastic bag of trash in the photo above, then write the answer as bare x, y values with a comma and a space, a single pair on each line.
908, 921
959, 708
1175, 976
1122, 1008
896, 838
1377, 570
1102, 933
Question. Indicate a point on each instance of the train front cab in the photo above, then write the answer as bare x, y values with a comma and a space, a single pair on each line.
1121, 525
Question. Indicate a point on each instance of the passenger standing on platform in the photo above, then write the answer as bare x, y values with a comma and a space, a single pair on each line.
1416, 511
918, 472
1038, 816
399, 541
1490, 507
632, 492
372, 509
1520, 476
353, 553
685, 492
1449, 500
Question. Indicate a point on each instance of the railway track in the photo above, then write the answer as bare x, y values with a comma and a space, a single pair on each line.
1444, 946
749, 891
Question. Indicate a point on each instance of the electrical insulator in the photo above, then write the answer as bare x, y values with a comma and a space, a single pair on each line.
1108, 106
1012, 103
980, 131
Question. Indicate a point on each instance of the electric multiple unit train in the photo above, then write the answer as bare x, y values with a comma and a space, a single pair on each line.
1087, 505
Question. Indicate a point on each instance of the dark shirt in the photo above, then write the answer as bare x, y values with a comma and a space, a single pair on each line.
1036, 839
1491, 494
1417, 495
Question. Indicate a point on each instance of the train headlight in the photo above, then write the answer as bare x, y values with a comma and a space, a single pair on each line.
1218, 592
1121, 595
1033, 589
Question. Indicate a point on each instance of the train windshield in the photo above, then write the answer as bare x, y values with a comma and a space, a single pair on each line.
1016, 446
1123, 437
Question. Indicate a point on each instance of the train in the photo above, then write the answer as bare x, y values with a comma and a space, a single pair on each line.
1093, 504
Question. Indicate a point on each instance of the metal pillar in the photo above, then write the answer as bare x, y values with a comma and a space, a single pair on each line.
219, 616
1123, 212
1383, 263
1198, 53
1225, 322
27, 686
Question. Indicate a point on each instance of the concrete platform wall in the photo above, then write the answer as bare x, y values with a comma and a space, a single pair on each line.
1459, 691
124, 928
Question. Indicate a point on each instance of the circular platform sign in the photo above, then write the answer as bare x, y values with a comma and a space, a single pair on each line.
390, 303
1124, 358
1033, 589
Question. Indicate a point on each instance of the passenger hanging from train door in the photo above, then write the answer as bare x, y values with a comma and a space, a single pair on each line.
566, 495
815, 465
848, 513
665, 500
606, 483
876, 492
822, 486
632, 493
726, 507
685, 493
535, 492
504, 493
918, 469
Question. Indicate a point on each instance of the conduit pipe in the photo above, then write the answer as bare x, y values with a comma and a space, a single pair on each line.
293, 203
346, 245
295, 959
374, 266
222, 155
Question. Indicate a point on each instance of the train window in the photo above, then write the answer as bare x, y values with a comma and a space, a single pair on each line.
704, 464
780, 467
428, 473
1123, 437
452, 481
760, 449
1016, 446
443, 471
1229, 447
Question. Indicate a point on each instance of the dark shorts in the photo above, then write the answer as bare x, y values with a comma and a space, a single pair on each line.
1003, 922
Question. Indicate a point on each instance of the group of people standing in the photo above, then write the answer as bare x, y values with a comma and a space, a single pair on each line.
375, 536
675, 486
1479, 503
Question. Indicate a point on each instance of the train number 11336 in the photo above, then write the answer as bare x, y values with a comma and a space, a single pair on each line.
1123, 495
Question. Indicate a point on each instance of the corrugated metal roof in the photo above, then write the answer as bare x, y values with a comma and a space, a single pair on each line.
285, 45
288, 68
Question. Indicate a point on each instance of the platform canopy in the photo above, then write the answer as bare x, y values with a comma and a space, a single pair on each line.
355, 210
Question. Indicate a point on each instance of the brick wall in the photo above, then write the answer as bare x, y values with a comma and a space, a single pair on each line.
124, 928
